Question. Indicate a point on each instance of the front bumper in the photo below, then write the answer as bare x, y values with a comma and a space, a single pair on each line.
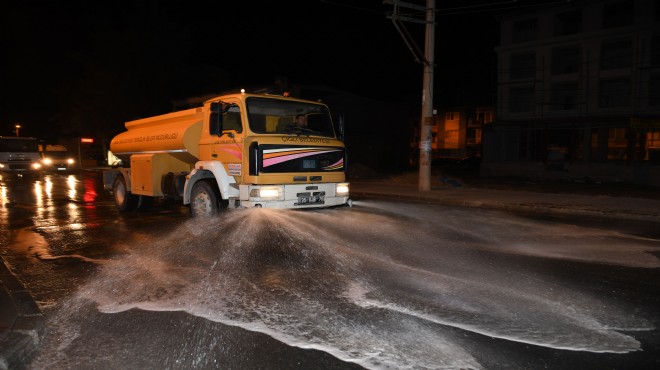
320, 195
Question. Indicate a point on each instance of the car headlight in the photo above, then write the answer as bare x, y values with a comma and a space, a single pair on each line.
69, 161
48, 161
342, 189
36, 166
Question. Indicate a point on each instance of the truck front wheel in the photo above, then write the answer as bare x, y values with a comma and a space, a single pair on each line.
124, 200
204, 199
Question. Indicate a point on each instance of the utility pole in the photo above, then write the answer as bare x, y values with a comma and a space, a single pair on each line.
427, 101
427, 59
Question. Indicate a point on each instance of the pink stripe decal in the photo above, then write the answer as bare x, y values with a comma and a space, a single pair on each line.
338, 164
235, 152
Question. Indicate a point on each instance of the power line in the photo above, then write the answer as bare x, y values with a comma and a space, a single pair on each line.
450, 11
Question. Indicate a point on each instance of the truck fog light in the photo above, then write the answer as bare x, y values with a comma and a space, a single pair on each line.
265, 193
342, 189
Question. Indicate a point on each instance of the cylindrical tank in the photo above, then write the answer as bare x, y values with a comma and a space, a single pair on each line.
177, 133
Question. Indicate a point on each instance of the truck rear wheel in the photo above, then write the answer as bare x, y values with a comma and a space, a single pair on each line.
205, 200
124, 199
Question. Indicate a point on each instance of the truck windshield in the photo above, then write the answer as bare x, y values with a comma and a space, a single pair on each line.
288, 117
56, 154
18, 145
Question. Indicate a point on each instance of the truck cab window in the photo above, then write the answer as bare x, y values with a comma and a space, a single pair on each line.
231, 119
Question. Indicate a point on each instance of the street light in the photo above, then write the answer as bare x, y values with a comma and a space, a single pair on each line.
18, 127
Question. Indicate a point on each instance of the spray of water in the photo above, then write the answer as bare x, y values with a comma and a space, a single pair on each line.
378, 285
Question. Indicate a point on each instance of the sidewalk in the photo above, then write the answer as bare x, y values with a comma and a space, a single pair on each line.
599, 205
21, 321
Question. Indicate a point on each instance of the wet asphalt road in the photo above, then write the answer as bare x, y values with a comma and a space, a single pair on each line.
379, 285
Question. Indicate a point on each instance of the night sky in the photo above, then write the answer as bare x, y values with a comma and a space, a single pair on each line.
76, 68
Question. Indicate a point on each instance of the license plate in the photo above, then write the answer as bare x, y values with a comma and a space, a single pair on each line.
310, 200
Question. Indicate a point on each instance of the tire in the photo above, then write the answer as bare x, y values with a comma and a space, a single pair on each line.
125, 201
205, 200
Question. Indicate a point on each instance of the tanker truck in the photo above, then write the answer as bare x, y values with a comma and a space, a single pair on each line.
236, 150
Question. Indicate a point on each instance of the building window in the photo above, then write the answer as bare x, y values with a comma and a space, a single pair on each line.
525, 30
654, 90
521, 99
616, 54
484, 117
614, 93
523, 66
617, 143
564, 96
450, 116
473, 136
618, 14
565, 60
568, 23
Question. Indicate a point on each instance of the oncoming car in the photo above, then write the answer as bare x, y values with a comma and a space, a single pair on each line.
56, 158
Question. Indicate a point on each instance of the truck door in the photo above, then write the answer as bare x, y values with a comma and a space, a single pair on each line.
226, 140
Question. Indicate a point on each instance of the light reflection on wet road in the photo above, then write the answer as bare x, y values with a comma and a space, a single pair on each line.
383, 285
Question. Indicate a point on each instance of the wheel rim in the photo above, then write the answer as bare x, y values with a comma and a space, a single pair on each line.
120, 192
202, 204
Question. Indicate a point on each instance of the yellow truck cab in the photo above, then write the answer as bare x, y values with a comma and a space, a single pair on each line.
237, 150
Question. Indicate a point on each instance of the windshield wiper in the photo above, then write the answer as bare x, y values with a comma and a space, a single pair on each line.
299, 130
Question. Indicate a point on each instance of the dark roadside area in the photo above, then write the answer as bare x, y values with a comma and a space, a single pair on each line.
463, 186
22, 324
467, 176
21, 321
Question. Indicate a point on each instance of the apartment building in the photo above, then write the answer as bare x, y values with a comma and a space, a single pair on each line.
457, 132
578, 92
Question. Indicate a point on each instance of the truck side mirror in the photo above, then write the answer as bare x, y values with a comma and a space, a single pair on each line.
340, 126
215, 119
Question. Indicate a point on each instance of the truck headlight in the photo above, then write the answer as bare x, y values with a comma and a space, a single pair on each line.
342, 189
266, 193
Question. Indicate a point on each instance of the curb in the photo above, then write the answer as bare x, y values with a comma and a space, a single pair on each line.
21, 321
